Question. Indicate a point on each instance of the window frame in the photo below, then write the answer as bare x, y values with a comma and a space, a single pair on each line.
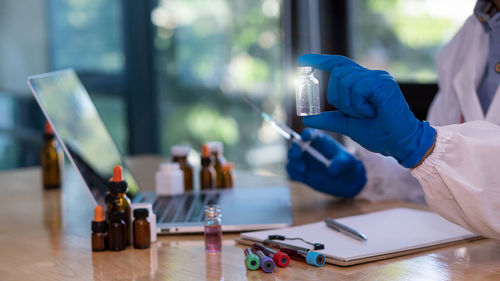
135, 85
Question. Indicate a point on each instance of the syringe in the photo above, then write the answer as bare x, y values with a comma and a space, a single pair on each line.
290, 134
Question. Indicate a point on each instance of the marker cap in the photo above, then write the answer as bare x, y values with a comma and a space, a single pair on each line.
252, 262
267, 265
281, 259
315, 258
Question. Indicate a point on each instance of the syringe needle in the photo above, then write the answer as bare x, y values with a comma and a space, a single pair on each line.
288, 133
306, 146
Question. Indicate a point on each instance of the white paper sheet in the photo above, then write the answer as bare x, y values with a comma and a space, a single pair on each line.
387, 231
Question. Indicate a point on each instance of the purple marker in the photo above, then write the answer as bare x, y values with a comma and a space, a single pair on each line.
266, 263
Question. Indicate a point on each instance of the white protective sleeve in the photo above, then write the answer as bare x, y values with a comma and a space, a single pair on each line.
387, 180
461, 177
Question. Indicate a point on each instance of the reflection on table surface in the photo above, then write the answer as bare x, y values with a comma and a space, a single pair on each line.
46, 236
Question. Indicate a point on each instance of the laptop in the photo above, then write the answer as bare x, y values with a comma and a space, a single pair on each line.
93, 153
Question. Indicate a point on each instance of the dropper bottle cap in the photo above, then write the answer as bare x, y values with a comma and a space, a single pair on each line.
205, 151
206, 157
48, 132
227, 167
117, 184
98, 224
48, 128
116, 216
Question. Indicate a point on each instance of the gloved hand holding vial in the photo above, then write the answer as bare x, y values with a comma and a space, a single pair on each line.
307, 92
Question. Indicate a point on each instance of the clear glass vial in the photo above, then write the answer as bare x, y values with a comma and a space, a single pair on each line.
213, 229
307, 92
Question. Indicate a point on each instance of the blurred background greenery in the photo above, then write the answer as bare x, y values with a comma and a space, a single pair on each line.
208, 55
205, 56
404, 36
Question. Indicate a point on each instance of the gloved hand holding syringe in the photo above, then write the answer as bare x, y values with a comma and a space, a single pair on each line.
290, 134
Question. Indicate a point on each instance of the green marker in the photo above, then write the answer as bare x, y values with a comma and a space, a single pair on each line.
251, 259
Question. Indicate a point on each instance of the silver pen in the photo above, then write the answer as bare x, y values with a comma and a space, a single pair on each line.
344, 229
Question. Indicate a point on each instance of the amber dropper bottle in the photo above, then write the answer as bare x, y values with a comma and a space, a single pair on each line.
207, 173
217, 149
179, 155
51, 160
116, 231
99, 230
117, 200
227, 175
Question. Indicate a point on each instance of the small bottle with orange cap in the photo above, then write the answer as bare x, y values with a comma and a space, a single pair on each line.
207, 173
227, 175
51, 160
117, 200
217, 150
99, 230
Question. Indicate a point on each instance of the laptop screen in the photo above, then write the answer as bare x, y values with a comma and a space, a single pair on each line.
80, 130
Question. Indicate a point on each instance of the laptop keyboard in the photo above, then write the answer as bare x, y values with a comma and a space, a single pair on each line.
183, 207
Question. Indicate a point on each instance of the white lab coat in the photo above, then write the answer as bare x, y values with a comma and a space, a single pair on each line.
461, 177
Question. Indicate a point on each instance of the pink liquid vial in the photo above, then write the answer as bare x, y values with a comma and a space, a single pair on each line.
213, 239
213, 231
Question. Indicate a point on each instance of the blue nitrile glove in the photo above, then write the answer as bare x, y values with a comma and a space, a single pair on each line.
372, 110
345, 177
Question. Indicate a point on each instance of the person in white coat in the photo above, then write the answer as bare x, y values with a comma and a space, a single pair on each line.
453, 160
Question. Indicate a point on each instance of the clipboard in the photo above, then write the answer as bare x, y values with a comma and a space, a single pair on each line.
391, 233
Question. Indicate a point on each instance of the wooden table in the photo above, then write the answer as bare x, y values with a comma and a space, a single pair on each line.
45, 235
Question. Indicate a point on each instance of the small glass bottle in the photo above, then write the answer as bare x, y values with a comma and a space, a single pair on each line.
207, 172
142, 232
116, 231
217, 149
117, 199
99, 232
213, 229
307, 92
179, 155
227, 175
51, 160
